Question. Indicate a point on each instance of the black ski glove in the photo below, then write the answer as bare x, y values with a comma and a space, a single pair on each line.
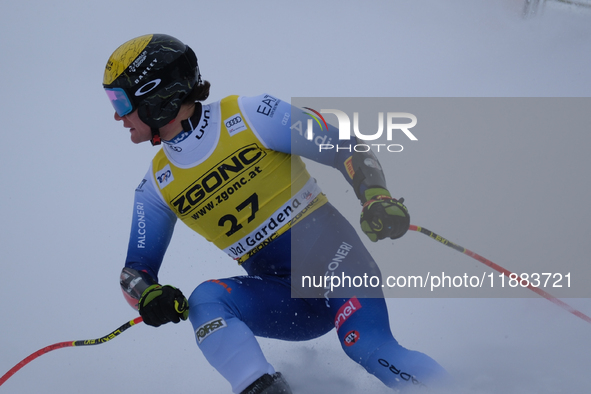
162, 304
383, 216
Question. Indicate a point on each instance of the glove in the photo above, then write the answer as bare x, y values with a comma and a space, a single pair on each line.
383, 216
162, 304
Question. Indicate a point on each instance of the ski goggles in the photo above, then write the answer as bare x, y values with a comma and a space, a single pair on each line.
120, 101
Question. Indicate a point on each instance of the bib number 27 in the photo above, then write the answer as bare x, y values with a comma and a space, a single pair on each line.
253, 201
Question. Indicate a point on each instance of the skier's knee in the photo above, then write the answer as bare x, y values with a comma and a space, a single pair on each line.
210, 291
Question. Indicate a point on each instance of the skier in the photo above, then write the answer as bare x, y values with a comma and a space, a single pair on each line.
231, 170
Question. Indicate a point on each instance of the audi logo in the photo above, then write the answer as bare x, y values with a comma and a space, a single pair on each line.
234, 121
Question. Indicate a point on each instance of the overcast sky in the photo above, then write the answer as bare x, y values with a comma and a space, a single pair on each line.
518, 195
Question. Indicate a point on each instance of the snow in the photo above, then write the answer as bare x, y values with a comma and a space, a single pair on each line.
69, 171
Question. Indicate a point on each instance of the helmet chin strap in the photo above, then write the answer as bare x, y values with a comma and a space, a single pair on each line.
187, 124
156, 140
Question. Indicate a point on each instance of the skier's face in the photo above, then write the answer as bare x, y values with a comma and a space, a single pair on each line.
140, 132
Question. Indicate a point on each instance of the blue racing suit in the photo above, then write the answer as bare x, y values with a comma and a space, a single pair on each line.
228, 313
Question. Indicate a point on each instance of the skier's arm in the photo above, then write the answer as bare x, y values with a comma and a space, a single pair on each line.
283, 128
152, 227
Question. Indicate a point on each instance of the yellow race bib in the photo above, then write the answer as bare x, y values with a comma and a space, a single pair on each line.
243, 195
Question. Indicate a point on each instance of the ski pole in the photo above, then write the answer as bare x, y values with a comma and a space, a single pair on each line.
60, 345
500, 269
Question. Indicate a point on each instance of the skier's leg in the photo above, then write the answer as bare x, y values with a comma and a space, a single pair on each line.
224, 339
227, 314
364, 333
359, 313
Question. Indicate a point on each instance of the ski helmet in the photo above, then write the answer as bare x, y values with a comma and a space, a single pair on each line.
152, 73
